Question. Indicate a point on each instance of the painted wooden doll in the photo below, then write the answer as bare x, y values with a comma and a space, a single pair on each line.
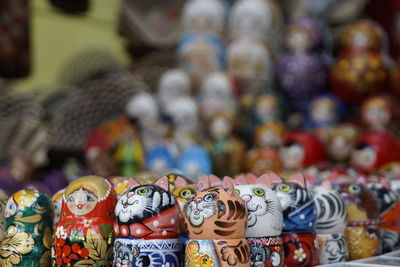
302, 69
299, 220
269, 135
389, 209
225, 149
57, 205
173, 83
331, 224
341, 139
27, 236
376, 113
147, 227
195, 161
84, 234
262, 160
375, 149
216, 221
362, 68
3, 202
264, 219
362, 229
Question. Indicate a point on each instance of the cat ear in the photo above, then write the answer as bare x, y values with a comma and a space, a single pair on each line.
251, 178
228, 187
203, 183
214, 180
163, 183
179, 181
135, 251
228, 179
264, 180
133, 183
361, 180
300, 179
274, 178
327, 184
241, 179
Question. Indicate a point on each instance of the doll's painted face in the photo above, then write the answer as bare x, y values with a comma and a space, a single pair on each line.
266, 109
11, 208
82, 201
292, 155
364, 156
323, 110
361, 39
339, 148
376, 115
299, 40
220, 127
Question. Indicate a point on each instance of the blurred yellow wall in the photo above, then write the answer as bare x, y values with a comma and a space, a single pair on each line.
57, 36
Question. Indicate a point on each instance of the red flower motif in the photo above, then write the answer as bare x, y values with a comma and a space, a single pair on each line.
83, 252
66, 253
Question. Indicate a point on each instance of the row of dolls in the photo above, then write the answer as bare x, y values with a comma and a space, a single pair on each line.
246, 221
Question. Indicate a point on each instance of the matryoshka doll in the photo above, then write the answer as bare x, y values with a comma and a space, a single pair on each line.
375, 149
56, 200
376, 113
3, 202
195, 161
226, 150
84, 234
173, 83
147, 227
331, 224
264, 219
303, 70
389, 209
28, 234
340, 143
262, 160
216, 221
269, 135
301, 149
362, 231
299, 220
361, 69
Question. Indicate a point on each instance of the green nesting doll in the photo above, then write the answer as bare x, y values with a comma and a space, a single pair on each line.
27, 237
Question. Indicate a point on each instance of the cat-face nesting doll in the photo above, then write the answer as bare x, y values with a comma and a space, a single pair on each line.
88, 202
362, 230
3, 202
264, 221
147, 227
27, 236
216, 221
331, 224
299, 220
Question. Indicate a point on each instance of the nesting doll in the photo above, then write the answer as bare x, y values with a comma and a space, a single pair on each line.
216, 221
57, 204
28, 234
301, 149
266, 109
331, 224
341, 139
389, 209
302, 69
195, 161
299, 220
147, 227
262, 160
89, 203
376, 113
3, 202
361, 69
216, 95
362, 229
200, 55
173, 84
159, 159
225, 149
264, 219
203, 16
261, 20
375, 149
269, 135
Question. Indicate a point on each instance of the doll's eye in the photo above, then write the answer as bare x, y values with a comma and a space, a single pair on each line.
355, 189
259, 192
143, 191
284, 187
209, 197
336, 187
204, 260
70, 199
186, 193
237, 192
89, 198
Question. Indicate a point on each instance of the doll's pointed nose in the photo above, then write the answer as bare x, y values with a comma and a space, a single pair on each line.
198, 200
246, 198
130, 194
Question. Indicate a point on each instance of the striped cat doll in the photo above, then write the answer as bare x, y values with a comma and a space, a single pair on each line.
216, 221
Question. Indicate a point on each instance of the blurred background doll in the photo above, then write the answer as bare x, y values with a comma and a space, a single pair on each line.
340, 143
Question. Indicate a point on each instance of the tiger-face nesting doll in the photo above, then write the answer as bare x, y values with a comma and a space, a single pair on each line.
299, 220
362, 229
147, 227
331, 223
84, 234
27, 236
216, 221
264, 219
